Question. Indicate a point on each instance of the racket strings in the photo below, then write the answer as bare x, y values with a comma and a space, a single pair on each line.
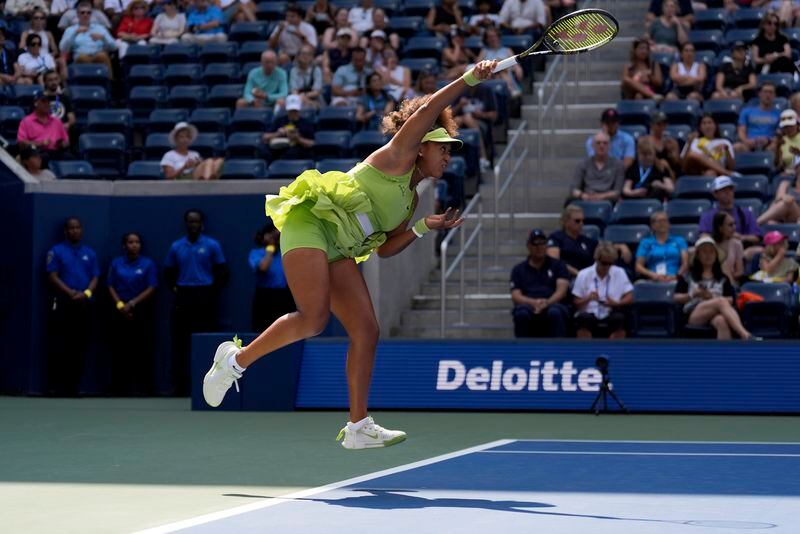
580, 32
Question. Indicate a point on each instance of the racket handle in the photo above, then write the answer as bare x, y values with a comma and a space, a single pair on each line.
506, 63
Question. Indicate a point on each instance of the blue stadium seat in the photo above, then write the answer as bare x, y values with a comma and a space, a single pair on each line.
680, 132
337, 118
141, 55
754, 186
219, 52
269, 11
144, 170
143, 100
753, 204
517, 43
467, 7
187, 96
177, 53
10, 116
748, 17
681, 112
244, 169
592, 231
784, 83
792, 231
635, 130
455, 175
420, 64
416, 8
85, 98
309, 114
427, 47
221, 73
754, 163
145, 75
710, 19
183, 74
225, 96
628, 234
694, 187
776, 182
209, 145
683, 211
728, 131
341, 165
407, 26
596, 212
707, 39
156, 145
501, 99
163, 120
690, 232
366, 142
73, 170
635, 211
111, 121
251, 51
245, 145
288, 169
331, 144
22, 95
740, 34
211, 120
724, 110
251, 120
633, 112
242, 32
106, 152
89, 74
473, 42
772, 317
654, 313
794, 36
471, 149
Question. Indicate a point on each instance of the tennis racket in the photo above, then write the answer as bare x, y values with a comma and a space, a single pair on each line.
579, 31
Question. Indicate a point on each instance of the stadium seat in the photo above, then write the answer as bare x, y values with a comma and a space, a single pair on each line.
794, 36
792, 231
341, 165
288, 169
72, 170
420, 64
629, 234
416, 8
337, 118
754, 163
187, 96
10, 117
684, 211
753, 186
89, 74
177, 53
141, 55
22, 95
269, 11
596, 212
209, 145
331, 144
111, 121
473, 42
633, 112
407, 26
711, 19
251, 120
747, 17
251, 51
244, 169
183, 74
242, 32
654, 313
471, 149
690, 232
85, 98
776, 182
707, 39
728, 131
211, 120
681, 112
517, 43
427, 47
455, 174
225, 96
144, 170
634, 130
680, 132
724, 110
156, 145
592, 231
163, 120
106, 153
635, 211
694, 187
218, 52
502, 95
366, 142
740, 34
221, 73
783, 82
143, 100
772, 317
245, 145
145, 75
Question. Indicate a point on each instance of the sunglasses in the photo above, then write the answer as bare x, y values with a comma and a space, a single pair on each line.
36, 44
606, 263
577, 221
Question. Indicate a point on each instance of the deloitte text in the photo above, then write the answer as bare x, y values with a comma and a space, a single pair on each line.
547, 377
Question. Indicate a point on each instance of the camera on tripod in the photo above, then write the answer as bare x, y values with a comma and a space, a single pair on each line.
602, 362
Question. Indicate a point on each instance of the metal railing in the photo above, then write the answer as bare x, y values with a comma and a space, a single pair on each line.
507, 165
464, 244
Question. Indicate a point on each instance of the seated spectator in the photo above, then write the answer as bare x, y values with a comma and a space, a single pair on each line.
623, 147
735, 78
134, 28
758, 124
60, 102
375, 47
456, 57
331, 39
493, 49
426, 85
646, 178
788, 11
347, 86
115, 9
360, 17
569, 244
34, 62
204, 24
396, 77
381, 22
747, 230
600, 294
599, 176
688, 76
169, 24
266, 86
290, 136
86, 41
272, 298
321, 15
770, 50
477, 109
333, 58
443, 17
707, 295
668, 151
706, 151
38, 27
538, 288
784, 208
667, 32
291, 34
70, 17
483, 18
641, 77
661, 257
184, 164
787, 142
42, 131
774, 266
375, 103
9, 68
31, 159
238, 10
794, 103
524, 16
685, 7
305, 78
729, 248
23, 9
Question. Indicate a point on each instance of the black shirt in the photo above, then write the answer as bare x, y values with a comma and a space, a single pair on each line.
636, 175
538, 283
7, 59
734, 78
577, 253
60, 106
765, 46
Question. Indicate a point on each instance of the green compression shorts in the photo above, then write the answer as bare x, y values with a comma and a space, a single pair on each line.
303, 230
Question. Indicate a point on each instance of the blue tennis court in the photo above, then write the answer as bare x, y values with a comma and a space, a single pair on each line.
550, 487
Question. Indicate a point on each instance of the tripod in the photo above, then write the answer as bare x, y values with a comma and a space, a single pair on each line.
605, 391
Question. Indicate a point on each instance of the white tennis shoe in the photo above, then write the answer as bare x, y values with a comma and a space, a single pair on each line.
369, 436
222, 375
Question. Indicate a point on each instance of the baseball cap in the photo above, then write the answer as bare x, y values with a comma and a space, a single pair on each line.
705, 240
610, 115
721, 182
378, 33
738, 44
658, 116
774, 237
39, 95
342, 32
537, 235
788, 118
294, 103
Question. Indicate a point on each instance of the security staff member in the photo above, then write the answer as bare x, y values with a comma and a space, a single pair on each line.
272, 298
72, 272
195, 267
132, 281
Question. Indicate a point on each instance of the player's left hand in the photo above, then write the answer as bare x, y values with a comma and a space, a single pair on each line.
444, 221
484, 69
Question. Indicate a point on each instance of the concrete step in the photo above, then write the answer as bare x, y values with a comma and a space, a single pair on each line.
484, 318
490, 274
496, 286
473, 301
455, 332
574, 116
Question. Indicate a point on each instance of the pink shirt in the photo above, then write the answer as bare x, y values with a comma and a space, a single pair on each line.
32, 130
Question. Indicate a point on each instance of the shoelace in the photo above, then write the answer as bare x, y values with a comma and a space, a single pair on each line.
230, 376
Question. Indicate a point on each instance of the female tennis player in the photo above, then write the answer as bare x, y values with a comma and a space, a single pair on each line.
331, 221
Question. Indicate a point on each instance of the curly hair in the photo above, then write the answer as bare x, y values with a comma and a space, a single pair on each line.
393, 121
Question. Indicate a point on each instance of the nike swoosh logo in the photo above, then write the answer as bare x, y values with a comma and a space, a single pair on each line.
373, 436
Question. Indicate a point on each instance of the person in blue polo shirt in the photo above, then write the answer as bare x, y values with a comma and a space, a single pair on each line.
72, 271
662, 257
273, 298
538, 287
132, 281
195, 267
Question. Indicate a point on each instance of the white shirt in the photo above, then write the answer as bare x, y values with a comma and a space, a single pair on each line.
360, 19
614, 286
36, 65
523, 14
717, 149
118, 6
176, 161
290, 41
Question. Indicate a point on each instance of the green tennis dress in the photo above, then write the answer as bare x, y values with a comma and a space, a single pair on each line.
345, 214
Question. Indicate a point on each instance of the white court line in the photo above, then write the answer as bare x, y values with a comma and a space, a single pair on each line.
598, 453
207, 518
657, 441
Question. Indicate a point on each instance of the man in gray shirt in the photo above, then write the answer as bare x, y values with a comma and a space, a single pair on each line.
598, 177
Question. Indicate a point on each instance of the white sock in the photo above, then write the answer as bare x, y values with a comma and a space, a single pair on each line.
358, 424
236, 367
